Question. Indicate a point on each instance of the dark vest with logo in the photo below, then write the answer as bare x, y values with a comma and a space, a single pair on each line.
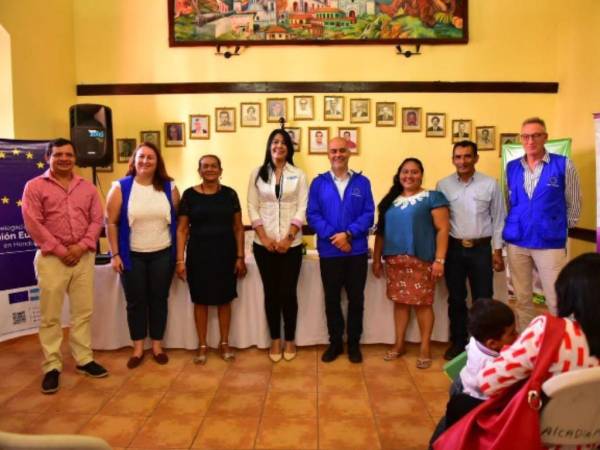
539, 222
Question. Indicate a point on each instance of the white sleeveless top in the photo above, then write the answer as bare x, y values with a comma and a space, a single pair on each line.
149, 216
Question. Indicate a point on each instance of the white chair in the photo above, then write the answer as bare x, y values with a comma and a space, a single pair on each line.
571, 416
14, 441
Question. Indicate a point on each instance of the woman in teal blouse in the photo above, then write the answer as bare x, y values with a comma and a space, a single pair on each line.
412, 237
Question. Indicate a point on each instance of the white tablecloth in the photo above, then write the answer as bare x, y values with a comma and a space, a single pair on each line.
249, 324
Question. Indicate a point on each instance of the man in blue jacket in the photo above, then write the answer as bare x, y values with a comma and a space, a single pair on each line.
341, 211
543, 202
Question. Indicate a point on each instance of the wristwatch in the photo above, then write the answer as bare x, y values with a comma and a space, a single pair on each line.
440, 260
348, 234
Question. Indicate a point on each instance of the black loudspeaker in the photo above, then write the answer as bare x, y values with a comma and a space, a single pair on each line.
91, 132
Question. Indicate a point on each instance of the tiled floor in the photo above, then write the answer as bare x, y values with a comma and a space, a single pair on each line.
248, 404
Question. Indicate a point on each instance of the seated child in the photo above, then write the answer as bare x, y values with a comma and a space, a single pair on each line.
491, 326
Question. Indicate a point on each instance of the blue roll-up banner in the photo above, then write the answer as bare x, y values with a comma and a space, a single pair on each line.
19, 296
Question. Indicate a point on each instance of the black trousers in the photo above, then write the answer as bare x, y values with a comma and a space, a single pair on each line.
146, 288
474, 264
279, 273
350, 273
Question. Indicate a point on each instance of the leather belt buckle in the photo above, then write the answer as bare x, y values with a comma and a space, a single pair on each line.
467, 243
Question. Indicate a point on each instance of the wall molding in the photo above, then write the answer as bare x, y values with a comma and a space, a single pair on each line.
344, 87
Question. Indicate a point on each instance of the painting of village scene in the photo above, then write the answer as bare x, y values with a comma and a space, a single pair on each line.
272, 22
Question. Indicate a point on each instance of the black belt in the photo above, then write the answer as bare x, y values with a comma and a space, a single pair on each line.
470, 243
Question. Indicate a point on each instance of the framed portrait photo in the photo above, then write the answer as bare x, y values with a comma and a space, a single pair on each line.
462, 129
351, 135
385, 114
318, 137
296, 136
304, 107
150, 136
486, 137
174, 134
333, 107
436, 124
250, 114
125, 148
276, 109
411, 119
199, 126
360, 110
225, 120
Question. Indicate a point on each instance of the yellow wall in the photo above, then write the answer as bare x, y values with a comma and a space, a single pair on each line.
578, 98
43, 65
111, 41
6, 105
137, 51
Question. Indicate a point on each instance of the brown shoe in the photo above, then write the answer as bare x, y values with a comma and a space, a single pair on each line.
160, 358
135, 361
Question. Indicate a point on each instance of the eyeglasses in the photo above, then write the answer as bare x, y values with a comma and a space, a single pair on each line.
534, 136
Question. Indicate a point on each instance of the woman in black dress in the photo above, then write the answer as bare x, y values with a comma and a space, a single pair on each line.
210, 216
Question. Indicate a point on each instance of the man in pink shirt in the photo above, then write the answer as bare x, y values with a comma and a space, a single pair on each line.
63, 216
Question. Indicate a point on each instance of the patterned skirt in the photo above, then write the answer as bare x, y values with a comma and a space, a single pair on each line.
409, 280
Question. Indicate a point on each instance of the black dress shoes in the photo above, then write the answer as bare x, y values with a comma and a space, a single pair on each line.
332, 352
50, 383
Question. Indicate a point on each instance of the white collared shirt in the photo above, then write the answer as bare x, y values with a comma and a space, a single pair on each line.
341, 183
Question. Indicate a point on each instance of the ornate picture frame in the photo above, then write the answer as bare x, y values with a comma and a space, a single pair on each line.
316, 22
462, 129
435, 124
125, 148
385, 114
276, 108
250, 114
152, 136
360, 110
318, 137
296, 136
411, 119
304, 107
333, 107
225, 120
352, 137
485, 137
199, 126
174, 134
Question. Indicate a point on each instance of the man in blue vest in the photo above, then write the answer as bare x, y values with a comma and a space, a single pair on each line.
543, 202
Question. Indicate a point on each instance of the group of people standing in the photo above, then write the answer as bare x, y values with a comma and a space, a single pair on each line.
454, 231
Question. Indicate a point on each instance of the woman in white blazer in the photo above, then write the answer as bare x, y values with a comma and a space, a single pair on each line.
277, 197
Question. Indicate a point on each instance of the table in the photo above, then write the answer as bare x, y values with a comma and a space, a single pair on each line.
248, 324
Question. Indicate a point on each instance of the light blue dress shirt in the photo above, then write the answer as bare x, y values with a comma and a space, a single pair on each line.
476, 207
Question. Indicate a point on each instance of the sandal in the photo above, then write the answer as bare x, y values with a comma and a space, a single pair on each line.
391, 355
201, 356
424, 363
226, 353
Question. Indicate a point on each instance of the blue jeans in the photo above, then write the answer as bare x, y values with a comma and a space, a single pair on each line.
474, 264
146, 288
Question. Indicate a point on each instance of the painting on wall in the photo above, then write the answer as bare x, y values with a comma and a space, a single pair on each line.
316, 22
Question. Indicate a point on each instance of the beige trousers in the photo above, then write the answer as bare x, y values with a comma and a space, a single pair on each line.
549, 263
55, 280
